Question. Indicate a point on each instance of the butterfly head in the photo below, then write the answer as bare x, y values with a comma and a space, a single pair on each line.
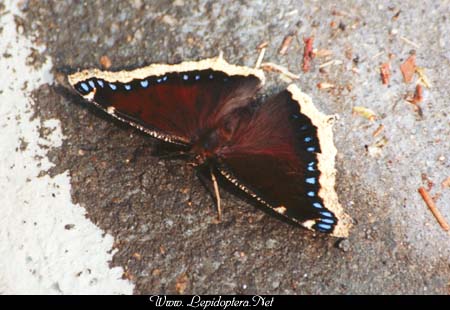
206, 146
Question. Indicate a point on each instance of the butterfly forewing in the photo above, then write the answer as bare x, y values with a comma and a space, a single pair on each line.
172, 103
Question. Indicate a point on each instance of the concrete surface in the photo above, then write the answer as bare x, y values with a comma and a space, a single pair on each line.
47, 246
163, 220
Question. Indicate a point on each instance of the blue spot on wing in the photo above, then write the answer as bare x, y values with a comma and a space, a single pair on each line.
311, 181
326, 213
328, 221
317, 205
324, 227
85, 87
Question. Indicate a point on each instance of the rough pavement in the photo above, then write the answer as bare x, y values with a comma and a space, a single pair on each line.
163, 220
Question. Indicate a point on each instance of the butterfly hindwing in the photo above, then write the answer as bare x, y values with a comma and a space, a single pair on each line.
284, 158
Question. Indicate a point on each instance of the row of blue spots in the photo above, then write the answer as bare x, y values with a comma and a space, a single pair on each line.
197, 77
89, 85
308, 140
303, 127
312, 180
326, 222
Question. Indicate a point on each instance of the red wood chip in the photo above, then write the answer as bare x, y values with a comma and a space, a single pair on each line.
385, 71
308, 53
418, 94
408, 68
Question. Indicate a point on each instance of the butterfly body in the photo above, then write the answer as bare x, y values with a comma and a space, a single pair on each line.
213, 143
279, 151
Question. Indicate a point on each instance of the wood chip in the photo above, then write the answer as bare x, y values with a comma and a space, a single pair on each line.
408, 68
423, 79
322, 53
137, 256
376, 149
418, 95
105, 62
385, 72
432, 206
286, 43
376, 55
364, 112
406, 40
446, 183
378, 130
181, 284
260, 58
325, 85
331, 62
271, 67
308, 53
395, 17
262, 45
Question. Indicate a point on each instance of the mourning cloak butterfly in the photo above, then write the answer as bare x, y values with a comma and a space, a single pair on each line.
280, 152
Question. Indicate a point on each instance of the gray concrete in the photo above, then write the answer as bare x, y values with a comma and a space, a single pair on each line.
395, 247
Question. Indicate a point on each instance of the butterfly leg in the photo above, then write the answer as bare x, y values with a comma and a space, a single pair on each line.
216, 191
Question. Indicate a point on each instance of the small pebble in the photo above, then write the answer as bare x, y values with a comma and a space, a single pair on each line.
344, 245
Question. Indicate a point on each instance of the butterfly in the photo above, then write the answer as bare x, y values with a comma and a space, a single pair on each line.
279, 151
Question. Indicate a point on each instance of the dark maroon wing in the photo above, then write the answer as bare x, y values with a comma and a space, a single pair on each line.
284, 157
171, 102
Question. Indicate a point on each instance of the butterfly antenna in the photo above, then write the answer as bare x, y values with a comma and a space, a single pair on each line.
216, 191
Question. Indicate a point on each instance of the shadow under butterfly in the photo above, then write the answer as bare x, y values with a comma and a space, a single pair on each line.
279, 152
